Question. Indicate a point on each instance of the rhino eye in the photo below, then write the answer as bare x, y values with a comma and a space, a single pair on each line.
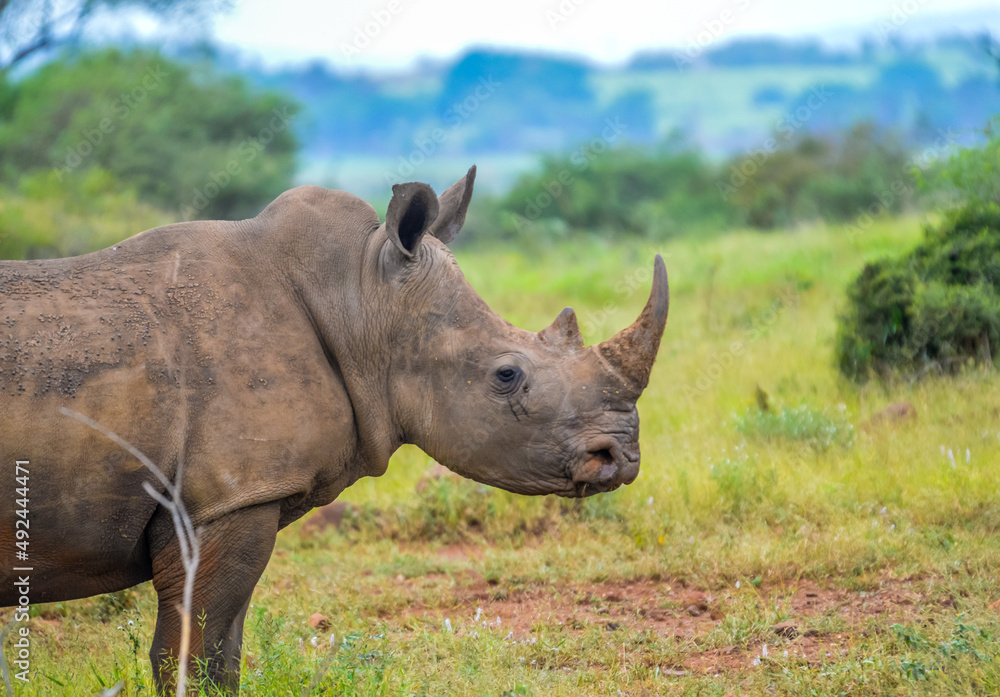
508, 374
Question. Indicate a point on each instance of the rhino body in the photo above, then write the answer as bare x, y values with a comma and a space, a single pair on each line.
278, 360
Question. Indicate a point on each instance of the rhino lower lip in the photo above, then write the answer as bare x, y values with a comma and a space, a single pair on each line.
584, 489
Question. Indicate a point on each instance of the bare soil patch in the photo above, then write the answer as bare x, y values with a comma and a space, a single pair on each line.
668, 608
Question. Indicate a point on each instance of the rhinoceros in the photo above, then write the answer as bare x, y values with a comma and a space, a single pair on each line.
280, 359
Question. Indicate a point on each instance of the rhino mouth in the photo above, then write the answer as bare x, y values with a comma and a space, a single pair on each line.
606, 466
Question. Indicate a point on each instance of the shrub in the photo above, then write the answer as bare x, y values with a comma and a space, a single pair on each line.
816, 428
813, 177
935, 308
972, 175
626, 191
44, 217
446, 508
184, 138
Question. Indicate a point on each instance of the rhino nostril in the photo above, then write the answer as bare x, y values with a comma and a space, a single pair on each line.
599, 467
603, 455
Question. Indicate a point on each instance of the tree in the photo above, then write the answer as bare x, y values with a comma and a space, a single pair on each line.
992, 48
184, 139
29, 27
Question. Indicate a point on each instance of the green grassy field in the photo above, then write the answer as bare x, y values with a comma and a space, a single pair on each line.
876, 544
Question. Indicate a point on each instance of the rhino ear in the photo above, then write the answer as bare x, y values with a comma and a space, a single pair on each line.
412, 210
454, 203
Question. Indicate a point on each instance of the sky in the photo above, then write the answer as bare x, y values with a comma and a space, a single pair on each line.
393, 34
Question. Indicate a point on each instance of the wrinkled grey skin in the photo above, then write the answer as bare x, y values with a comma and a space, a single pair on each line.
281, 358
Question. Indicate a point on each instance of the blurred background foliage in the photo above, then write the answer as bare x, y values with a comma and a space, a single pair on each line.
564, 147
166, 129
99, 143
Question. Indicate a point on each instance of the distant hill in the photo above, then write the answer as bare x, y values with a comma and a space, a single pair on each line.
505, 107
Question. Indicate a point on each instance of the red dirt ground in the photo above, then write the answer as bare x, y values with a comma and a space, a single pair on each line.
668, 608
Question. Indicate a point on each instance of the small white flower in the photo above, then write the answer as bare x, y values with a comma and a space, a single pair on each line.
509, 636
314, 641
131, 623
479, 613
763, 651
737, 584
968, 455
447, 625
756, 661
333, 640
649, 501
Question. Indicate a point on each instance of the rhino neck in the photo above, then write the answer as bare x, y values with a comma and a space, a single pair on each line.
323, 239
359, 368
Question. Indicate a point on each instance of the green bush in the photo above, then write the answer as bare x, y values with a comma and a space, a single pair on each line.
971, 175
935, 308
627, 191
446, 508
812, 177
184, 139
675, 189
43, 217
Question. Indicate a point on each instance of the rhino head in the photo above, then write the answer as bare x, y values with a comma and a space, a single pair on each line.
533, 413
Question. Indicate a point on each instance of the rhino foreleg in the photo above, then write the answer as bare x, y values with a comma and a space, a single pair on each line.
234, 551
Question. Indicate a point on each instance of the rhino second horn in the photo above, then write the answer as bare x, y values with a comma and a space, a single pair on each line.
631, 351
564, 331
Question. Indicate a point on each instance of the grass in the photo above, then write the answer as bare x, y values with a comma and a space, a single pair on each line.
877, 544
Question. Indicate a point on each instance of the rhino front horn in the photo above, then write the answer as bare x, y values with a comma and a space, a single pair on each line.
631, 351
